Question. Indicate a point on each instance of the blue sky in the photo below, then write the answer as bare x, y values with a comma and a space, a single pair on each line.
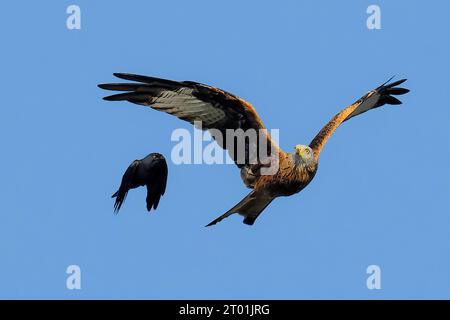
380, 195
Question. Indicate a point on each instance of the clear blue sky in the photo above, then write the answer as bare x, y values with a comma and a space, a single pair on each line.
380, 195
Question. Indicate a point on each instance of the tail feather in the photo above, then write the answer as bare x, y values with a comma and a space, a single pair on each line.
250, 207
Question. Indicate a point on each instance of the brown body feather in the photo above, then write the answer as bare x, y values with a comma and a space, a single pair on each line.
288, 180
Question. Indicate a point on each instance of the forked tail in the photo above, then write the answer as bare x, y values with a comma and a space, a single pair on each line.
250, 207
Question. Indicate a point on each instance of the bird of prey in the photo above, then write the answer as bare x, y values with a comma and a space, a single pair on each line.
220, 110
150, 171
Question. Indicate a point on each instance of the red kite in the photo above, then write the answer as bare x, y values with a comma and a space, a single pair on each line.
220, 110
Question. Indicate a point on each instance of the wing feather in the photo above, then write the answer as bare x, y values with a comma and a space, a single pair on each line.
374, 99
192, 101
126, 184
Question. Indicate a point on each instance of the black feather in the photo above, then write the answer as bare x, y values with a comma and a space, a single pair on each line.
394, 84
135, 96
382, 85
391, 100
120, 86
397, 91
149, 80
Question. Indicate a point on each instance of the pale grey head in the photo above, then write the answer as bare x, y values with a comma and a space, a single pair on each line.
303, 156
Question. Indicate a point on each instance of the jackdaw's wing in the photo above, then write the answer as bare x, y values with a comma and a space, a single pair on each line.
126, 184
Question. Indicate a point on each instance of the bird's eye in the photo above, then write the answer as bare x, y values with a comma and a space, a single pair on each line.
307, 151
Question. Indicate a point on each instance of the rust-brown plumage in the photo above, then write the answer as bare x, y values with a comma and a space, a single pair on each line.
220, 111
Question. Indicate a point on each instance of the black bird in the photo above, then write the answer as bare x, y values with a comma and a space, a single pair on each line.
151, 172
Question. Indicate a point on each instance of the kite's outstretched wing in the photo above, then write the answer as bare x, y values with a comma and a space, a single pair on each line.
374, 99
195, 102
151, 172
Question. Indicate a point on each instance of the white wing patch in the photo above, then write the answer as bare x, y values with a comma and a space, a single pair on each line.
368, 104
182, 103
